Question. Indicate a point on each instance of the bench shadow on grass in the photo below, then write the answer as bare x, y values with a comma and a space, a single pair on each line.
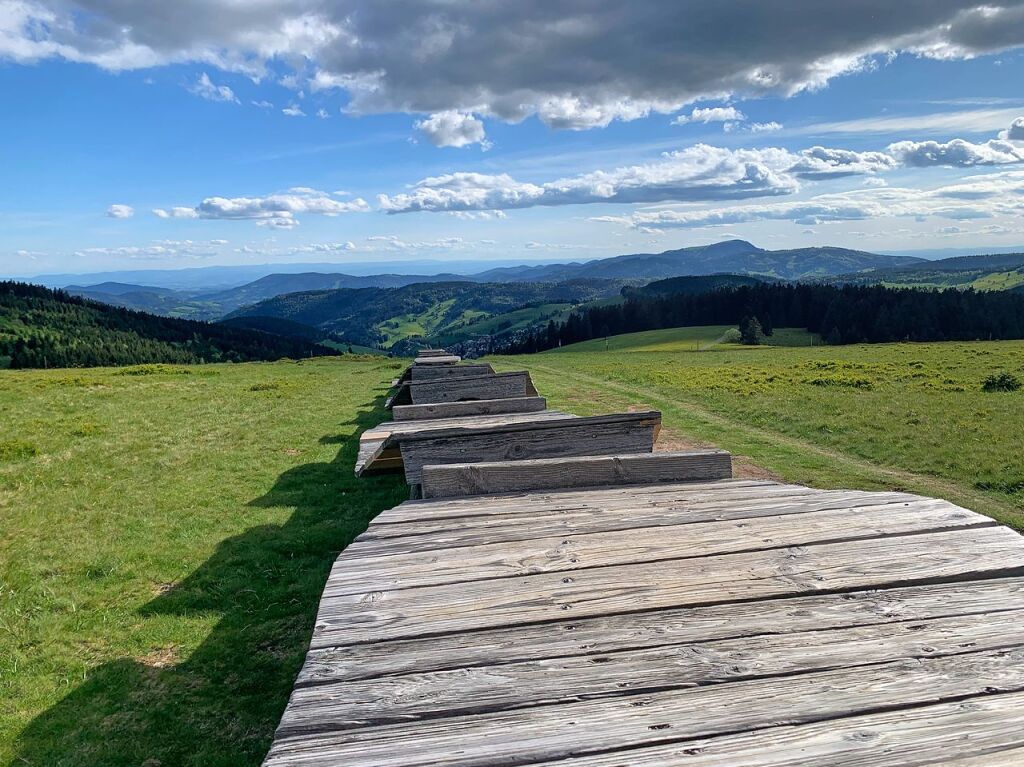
220, 706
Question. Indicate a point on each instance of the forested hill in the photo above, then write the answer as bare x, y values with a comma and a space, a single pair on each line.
382, 316
841, 315
40, 327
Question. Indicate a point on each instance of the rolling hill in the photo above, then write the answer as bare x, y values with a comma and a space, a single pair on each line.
40, 327
732, 256
1001, 271
386, 316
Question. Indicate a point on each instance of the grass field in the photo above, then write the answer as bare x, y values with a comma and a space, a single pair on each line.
165, 534
685, 340
911, 416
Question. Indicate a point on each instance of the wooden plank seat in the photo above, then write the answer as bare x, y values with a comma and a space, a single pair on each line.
578, 471
877, 629
379, 445
468, 408
463, 388
437, 372
449, 359
528, 438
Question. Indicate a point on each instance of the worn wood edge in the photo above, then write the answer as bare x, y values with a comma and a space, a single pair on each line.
647, 417
469, 407
526, 736
583, 471
532, 683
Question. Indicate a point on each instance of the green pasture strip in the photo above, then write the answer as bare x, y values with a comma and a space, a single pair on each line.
911, 416
165, 534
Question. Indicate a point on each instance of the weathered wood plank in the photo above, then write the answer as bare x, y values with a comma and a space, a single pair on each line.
873, 563
387, 700
554, 732
441, 410
444, 426
642, 544
410, 536
494, 386
433, 353
587, 471
440, 372
382, 442
327, 661
978, 732
593, 435
496, 505
440, 359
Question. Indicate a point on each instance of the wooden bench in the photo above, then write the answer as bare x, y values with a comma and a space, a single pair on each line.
462, 388
461, 479
471, 407
439, 372
550, 438
379, 446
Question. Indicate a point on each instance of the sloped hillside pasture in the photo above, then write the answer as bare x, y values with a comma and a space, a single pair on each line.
165, 533
913, 416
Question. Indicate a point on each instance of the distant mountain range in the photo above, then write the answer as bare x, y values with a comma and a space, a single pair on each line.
731, 256
446, 308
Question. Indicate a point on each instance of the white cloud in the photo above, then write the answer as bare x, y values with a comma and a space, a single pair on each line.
585, 64
976, 197
205, 88
293, 110
120, 211
956, 153
764, 127
1015, 132
698, 173
322, 114
277, 211
452, 128
710, 115
263, 104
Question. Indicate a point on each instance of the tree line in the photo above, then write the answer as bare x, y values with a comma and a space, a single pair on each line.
40, 327
839, 314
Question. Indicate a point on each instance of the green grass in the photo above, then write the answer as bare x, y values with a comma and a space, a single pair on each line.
164, 539
910, 416
699, 338
485, 324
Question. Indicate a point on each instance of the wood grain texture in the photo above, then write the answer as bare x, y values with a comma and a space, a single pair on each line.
978, 732
473, 407
640, 544
558, 732
526, 684
331, 661
588, 471
495, 386
443, 372
551, 438
873, 563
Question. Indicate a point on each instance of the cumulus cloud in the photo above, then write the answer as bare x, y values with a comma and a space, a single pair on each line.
452, 128
710, 115
262, 104
293, 110
956, 153
976, 197
120, 211
764, 127
1015, 132
205, 88
586, 64
276, 211
698, 173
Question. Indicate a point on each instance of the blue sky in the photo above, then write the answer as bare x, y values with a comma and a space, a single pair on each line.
334, 132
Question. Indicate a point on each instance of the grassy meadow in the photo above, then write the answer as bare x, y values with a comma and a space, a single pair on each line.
910, 416
165, 533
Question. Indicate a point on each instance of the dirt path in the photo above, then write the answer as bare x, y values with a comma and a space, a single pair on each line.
745, 467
